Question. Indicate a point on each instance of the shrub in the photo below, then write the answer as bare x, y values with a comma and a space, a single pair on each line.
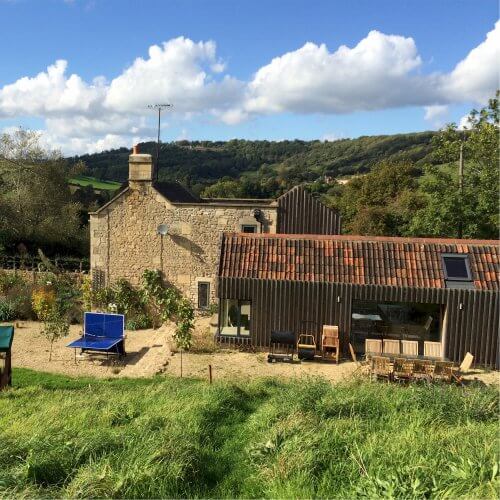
139, 322
43, 301
55, 326
7, 310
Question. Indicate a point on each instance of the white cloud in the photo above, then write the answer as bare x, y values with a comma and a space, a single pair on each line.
436, 114
476, 77
381, 71
180, 72
376, 73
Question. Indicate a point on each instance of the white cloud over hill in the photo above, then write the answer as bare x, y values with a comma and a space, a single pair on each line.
382, 71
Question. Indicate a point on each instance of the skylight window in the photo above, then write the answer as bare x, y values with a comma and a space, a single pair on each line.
457, 267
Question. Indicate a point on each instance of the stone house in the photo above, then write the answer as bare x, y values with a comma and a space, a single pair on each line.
161, 225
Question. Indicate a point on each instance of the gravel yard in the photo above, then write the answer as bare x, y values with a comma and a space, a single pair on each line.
149, 353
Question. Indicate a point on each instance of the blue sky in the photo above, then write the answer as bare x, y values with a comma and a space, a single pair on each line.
273, 71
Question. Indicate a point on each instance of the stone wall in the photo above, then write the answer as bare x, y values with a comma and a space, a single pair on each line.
124, 239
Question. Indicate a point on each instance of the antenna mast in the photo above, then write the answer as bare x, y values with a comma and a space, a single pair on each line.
158, 107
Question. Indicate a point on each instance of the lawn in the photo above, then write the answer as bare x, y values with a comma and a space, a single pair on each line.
83, 180
167, 437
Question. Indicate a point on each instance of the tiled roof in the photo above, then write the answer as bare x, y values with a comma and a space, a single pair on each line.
405, 262
175, 192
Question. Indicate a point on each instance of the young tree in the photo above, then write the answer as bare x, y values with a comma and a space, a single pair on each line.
471, 211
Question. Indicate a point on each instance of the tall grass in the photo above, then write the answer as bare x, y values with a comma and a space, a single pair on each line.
166, 437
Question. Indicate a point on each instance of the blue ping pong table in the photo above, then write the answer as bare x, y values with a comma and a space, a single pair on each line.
102, 332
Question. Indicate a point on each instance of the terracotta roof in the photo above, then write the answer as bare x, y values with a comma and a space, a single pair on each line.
404, 262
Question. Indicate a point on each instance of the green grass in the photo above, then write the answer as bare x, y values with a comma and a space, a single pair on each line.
83, 180
166, 437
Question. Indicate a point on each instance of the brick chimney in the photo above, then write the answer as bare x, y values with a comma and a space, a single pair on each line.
140, 169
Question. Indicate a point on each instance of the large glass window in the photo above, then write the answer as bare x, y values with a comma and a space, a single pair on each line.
395, 320
235, 317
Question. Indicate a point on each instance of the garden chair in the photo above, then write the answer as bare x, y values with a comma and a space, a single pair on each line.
443, 370
422, 369
391, 347
403, 369
409, 347
373, 347
330, 342
464, 367
433, 349
381, 367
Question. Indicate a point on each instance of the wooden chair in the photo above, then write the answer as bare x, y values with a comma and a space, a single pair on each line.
409, 347
432, 349
381, 367
403, 369
391, 347
422, 369
466, 363
443, 370
464, 367
373, 346
330, 342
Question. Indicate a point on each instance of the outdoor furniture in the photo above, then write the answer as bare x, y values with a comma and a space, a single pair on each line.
443, 370
373, 346
381, 367
330, 342
102, 332
403, 369
422, 369
6, 338
432, 349
391, 346
306, 346
409, 347
457, 375
282, 346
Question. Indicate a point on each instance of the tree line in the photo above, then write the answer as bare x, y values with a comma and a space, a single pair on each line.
399, 185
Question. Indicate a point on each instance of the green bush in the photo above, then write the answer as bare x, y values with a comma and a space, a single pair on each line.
139, 322
7, 310
264, 438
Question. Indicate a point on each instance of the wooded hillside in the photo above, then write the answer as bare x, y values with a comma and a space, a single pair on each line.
265, 168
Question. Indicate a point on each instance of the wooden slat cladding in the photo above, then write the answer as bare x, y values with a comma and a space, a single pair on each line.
284, 305
400, 262
300, 213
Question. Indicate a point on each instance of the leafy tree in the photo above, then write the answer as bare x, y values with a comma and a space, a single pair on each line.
380, 202
35, 200
473, 211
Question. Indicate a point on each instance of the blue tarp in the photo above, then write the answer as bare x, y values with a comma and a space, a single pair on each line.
102, 332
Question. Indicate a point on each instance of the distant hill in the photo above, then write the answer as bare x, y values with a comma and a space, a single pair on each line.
265, 167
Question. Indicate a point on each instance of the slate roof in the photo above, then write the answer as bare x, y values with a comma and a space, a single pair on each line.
175, 192
403, 262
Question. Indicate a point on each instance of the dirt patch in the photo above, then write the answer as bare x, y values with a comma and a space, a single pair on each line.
149, 352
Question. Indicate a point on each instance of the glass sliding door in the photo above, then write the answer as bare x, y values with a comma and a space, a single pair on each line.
395, 320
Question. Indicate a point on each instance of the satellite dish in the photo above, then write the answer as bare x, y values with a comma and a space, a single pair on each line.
162, 229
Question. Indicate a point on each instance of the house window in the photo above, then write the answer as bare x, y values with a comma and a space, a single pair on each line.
235, 317
203, 294
248, 228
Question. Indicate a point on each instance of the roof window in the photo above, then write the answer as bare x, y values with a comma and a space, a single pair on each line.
457, 271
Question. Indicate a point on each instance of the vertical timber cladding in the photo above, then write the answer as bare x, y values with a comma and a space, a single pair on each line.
284, 305
301, 213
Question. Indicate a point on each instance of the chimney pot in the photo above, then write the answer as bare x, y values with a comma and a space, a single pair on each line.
135, 149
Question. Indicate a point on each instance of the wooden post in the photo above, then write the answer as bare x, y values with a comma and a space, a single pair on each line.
210, 373
181, 363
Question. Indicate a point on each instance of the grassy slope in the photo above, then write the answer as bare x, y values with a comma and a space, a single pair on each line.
83, 180
168, 437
